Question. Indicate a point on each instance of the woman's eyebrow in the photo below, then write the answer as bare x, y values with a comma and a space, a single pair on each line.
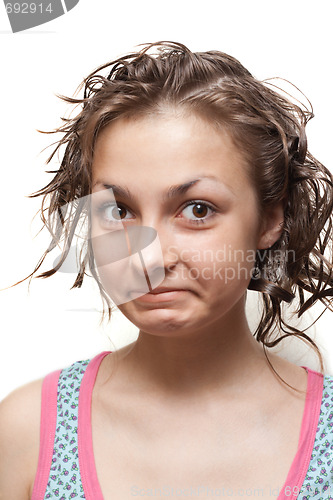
172, 192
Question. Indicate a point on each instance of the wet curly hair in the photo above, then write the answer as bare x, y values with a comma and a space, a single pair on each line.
264, 124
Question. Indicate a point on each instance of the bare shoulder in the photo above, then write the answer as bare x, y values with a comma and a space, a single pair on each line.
19, 440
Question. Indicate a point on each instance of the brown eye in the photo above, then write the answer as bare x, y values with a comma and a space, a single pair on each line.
197, 212
119, 212
112, 213
200, 210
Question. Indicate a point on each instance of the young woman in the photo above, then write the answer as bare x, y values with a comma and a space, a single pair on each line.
196, 185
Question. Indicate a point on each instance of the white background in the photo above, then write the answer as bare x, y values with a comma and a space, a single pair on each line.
46, 329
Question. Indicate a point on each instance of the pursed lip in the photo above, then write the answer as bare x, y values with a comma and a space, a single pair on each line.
162, 289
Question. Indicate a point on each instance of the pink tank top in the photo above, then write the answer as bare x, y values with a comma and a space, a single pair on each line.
66, 466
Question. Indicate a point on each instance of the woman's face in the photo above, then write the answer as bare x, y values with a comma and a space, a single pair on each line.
207, 232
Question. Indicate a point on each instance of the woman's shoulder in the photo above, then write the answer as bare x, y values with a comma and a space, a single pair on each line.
20, 424
20, 406
19, 439
20, 410
23, 403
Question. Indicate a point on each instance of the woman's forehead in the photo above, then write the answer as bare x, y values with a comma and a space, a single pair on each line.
172, 147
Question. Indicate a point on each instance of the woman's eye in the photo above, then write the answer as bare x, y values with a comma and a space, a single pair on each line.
112, 213
195, 211
199, 211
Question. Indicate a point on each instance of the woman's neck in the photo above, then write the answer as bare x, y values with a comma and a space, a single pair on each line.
222, 357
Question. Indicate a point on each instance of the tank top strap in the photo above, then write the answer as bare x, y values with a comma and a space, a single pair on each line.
47, 433
58, 473
318, 481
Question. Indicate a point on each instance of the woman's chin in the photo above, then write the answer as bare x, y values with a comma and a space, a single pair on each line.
159, 320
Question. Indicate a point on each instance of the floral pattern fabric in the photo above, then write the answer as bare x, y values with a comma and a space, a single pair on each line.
65, 483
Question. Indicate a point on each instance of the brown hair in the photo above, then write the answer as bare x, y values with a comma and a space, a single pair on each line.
267, 127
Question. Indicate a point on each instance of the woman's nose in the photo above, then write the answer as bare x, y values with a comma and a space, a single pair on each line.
134, 260
156, 253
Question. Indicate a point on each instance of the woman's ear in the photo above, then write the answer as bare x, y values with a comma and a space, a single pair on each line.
272, 225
